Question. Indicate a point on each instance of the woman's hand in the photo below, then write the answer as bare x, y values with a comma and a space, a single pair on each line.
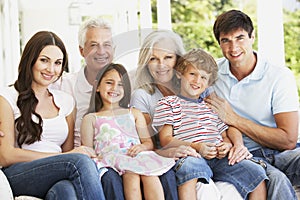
178, 152
84, 150
184, 151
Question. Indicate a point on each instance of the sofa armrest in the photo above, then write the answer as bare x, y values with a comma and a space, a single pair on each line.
5, 190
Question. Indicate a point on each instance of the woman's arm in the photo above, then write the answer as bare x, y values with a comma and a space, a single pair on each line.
9, 154
142, 130
172, 147
68, 145
166, 137
87, 130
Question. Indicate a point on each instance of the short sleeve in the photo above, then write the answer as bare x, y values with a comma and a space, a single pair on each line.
11, 96
167, 111
139, 100
64, 101
284, 87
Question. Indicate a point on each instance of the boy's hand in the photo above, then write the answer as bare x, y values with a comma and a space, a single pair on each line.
223, 148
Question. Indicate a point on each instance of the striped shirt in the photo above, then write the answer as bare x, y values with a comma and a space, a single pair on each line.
192, 121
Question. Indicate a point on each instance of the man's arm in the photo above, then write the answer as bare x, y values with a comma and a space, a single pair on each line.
283, 137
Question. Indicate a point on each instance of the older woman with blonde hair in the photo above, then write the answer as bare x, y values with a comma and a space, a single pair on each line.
155, 78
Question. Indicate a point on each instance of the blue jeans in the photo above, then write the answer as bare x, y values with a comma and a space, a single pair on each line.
62, 187
189, 168
37, 177
113, 185
168, 181
283, 170
245, 175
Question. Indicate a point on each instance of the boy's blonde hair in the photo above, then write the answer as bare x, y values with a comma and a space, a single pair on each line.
201, 60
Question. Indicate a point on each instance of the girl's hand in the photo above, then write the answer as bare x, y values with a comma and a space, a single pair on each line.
238, 153
99, 157
223, 148
84, 150
134, 150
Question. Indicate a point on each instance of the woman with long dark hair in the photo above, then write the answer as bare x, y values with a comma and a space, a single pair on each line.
37, 152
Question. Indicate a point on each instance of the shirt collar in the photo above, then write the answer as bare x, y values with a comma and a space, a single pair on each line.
85, 86
199, 100
257, 74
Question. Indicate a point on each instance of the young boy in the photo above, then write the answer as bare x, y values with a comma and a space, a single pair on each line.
186, 120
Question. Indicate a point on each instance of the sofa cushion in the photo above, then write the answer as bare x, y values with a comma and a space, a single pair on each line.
5, 190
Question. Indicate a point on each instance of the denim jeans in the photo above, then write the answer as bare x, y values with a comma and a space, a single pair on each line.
245, 175
62, 187
168, 181
283, 170
189, 168
37, 177
113, 185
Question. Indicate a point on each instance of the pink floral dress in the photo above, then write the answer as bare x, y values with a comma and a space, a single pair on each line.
113, 136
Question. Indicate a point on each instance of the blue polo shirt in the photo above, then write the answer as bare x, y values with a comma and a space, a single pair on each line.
268, 90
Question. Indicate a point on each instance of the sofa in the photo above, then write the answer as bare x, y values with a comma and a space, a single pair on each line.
6, 193
202, 191
222, 191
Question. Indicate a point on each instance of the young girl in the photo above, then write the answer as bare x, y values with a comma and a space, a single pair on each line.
184, 120
120, 137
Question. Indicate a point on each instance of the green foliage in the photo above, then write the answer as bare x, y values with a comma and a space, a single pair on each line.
292, 43
292, 39
193, 20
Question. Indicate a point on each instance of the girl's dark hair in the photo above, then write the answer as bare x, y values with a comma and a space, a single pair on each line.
231, 21
96, 102
30, 124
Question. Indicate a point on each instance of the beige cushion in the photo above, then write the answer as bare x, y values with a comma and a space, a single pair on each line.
5, 190
26, 198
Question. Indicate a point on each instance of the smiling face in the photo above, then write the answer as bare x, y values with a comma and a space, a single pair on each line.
237, 47
111, 88
48, 66
162, 62
98, 48
193, 82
